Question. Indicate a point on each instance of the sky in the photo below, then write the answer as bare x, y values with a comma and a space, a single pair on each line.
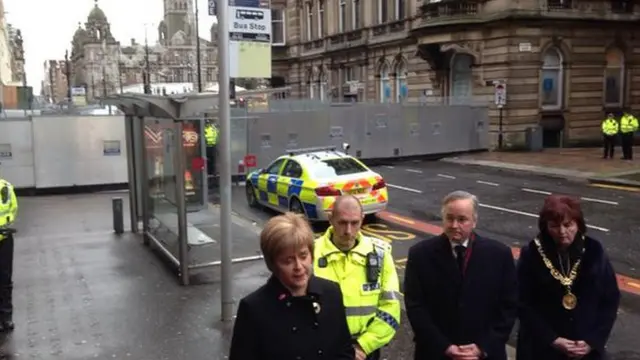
48, 26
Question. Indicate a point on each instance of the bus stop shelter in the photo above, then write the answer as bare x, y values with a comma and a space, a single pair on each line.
167, 171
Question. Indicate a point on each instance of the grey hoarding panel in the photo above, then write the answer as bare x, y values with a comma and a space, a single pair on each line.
378, 137
347, 125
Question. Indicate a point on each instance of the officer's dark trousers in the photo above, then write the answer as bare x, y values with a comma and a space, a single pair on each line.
627, 145
6, 275
374, 355
609, 146
211, 160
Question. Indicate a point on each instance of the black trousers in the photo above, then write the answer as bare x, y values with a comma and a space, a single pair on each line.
374, 355
6, 278
609, 146
627, 145
211, 160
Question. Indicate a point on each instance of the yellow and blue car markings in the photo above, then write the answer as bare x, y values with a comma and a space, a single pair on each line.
270, 189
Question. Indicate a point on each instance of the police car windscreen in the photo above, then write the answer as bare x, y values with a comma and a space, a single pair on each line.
337, 167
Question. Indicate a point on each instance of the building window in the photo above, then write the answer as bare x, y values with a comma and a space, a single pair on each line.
278, 37
355, 15
461, 90
385, 85
399, 9
401, 81
342, 18
321, 18
383, 10
552, 79
614, 78
309, 21
322, 86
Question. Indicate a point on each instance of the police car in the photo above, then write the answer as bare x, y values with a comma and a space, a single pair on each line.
308, 181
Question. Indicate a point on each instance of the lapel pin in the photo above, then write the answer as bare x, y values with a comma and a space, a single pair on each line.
316, 307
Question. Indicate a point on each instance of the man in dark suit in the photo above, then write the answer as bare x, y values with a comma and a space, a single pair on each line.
460, 289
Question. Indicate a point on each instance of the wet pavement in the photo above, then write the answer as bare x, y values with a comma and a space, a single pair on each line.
566, 162
82, 292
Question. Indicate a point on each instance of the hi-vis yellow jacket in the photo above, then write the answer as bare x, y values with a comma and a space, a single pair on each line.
373, 309
8, 205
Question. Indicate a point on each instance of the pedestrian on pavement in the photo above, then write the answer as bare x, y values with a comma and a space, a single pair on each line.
8, 213
295, 315
366, 272
628, 127
460, 289
610, 129
569, 295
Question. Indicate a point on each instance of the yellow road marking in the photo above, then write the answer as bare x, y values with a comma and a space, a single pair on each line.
404, 220
617, 187
634, 284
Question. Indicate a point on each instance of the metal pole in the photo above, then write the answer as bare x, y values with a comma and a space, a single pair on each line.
225, 159
68, 74
179, 166
144, 183
500, 127
131, 170
198, 50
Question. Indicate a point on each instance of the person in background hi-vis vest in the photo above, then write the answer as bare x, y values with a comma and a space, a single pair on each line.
610, 128
628, 126
8, 212
366, 272
211, 137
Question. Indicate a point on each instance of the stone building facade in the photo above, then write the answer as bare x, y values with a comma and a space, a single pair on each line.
565, 63
54, 83
103, 66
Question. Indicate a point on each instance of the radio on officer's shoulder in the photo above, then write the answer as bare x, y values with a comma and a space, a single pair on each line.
373, 267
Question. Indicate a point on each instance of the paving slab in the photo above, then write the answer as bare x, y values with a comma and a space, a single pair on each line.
581, 164
83, 292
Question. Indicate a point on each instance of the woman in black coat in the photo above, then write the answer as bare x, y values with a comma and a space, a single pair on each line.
295, 315
569, 294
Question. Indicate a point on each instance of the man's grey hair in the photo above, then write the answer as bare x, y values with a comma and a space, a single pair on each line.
461, 195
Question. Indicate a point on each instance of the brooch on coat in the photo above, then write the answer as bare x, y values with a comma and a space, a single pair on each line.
316, 307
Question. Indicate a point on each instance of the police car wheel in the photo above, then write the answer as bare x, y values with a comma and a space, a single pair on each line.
296, 206
251, 196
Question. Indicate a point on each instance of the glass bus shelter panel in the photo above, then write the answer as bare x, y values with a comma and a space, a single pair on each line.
161, 179
195, 179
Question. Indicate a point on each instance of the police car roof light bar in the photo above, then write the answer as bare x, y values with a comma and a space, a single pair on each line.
311, 149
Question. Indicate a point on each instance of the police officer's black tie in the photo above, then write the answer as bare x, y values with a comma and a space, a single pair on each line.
460, 253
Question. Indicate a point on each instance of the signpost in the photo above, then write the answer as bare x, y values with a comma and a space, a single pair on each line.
500, 95
250, 40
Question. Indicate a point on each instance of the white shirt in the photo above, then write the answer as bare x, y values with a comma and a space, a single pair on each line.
454, 244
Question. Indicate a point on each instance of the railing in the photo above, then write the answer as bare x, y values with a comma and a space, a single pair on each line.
449, 9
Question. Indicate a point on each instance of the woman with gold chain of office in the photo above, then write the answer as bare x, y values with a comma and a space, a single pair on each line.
568, 290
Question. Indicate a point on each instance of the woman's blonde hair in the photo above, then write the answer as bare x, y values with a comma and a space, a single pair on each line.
285, 232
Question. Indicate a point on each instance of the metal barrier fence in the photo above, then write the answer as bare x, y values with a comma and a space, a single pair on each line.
50, 151
371, 130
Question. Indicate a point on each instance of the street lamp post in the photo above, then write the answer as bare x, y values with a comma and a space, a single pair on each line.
67, 73
199, 65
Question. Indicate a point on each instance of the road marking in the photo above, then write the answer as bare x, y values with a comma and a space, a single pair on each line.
499, 208
626, 284
388, 167
617, 187
600, 201
414, 171
446, 176
607, 202
536, 191
487, 183
404, 188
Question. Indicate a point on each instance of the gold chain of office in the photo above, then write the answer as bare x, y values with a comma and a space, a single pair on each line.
569, 300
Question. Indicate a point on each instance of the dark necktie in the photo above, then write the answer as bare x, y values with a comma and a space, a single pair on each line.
460, 252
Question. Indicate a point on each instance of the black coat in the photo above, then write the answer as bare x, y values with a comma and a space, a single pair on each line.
542, 316
445, 308
273, 325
